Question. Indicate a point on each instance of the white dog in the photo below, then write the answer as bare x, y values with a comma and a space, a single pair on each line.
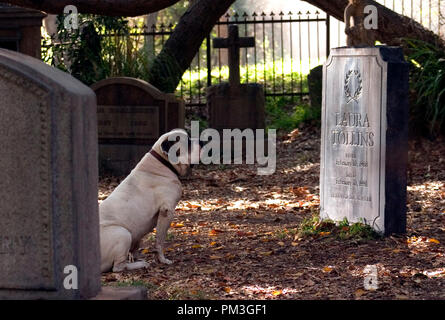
146, 199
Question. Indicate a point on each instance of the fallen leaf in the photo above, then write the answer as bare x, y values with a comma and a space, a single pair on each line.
196, 246
215, 232
434, 240
227, 289
327, 269
277, 292
358, 293
177, 225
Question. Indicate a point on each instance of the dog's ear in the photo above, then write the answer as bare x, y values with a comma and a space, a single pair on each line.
166, 145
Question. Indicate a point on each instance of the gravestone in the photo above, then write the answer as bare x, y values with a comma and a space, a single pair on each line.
20, 30
365, 137
315, 84
48, 182
233, 105
132, 114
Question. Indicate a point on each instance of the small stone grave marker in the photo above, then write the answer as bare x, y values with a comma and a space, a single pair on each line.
132, 115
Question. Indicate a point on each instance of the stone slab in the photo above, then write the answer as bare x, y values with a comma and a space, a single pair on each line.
132, 115
236, 107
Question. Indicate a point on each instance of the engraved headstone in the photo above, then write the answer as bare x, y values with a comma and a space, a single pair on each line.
233, 105
48, 183
132, 114
365, 137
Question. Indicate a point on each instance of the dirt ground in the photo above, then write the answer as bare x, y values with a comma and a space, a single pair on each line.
235, 235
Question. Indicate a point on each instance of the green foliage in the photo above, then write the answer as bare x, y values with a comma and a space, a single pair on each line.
314, 226
427, 82
283, 114
165, 64
133, 283
343, 230
99, 49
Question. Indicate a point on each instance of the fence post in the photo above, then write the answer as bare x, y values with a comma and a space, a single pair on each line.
209, 61
328, 36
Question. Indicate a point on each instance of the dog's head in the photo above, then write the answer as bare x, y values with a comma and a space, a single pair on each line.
177, 148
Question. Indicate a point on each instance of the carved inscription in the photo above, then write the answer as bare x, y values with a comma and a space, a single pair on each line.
26, 253
128, 122
352, 126
13, 244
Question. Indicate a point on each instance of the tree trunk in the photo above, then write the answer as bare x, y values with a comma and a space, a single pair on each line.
178, 52
392, 26
150, 21
127, 8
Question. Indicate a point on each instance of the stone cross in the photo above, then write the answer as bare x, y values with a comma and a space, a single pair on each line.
234, 43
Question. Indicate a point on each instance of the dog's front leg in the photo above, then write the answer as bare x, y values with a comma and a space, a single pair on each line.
165, 218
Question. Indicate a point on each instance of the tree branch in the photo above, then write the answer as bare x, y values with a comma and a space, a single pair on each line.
178, 52
392, 26
128, 8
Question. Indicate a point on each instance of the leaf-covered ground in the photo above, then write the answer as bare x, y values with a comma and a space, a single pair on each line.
235, 235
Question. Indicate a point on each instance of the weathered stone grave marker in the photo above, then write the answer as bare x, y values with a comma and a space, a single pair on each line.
365, 137
48, 182
233, 105
132, 115
49, 223
20, 30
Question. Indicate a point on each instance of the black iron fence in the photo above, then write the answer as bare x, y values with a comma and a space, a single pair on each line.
287, 46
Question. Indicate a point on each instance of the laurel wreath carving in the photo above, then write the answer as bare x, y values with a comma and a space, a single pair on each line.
349, 75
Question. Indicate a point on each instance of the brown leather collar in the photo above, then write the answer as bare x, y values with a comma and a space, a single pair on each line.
164, 162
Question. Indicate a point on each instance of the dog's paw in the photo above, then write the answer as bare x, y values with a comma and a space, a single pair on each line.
137, 265
165, 260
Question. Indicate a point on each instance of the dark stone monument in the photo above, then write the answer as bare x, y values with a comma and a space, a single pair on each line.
20, 30
315, 83
132, 115
365, 137
233, 105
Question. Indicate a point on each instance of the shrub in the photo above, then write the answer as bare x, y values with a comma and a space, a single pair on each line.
283, 114
315, 227
427, 82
